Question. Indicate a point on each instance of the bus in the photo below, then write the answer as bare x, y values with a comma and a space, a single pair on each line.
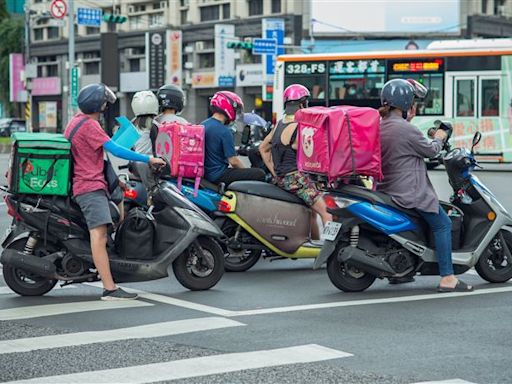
469, 82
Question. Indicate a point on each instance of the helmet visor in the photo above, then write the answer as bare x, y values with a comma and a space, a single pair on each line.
420, 91
110, 96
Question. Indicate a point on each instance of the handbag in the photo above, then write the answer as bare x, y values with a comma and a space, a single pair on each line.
110, 175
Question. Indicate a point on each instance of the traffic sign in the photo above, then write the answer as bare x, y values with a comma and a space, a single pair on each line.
89, 16
58, 9
74, 86
264, 46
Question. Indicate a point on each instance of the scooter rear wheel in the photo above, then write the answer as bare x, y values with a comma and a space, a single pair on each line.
25, 283
199, 270
347, 278
238, 260
494, 265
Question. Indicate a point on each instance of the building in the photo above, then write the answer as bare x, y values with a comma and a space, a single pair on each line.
197, 68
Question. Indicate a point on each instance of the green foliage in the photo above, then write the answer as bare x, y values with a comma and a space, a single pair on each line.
3, 10
12, 32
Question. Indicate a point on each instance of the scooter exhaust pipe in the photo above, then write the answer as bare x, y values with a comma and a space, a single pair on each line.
29, 263
359, 259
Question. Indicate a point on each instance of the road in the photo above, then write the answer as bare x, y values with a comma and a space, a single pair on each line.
280, 322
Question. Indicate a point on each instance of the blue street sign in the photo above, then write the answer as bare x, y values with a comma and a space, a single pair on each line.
89, 16
264, 46
227, 81
273, 29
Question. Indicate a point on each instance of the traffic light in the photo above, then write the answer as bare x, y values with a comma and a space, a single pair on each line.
240, 45
116, 19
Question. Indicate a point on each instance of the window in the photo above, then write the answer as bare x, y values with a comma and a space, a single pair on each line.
255, 7
276, 6
484, 6
53, 32
156, 5
206, 60
184, 3
52, 70
92, 68
490, 97
136, 22
156, 19
184, 16
38, 34
134, 65
210, 13
92, 30
226, 11
465, 97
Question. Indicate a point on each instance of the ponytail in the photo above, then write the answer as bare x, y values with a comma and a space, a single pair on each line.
385, 110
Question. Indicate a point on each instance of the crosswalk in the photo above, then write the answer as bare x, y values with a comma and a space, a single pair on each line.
246, 359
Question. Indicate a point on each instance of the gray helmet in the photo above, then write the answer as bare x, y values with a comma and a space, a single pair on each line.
92, 97
398, 93
171, 97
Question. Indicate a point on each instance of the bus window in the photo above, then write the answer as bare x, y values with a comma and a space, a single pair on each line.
465, 97
490, 97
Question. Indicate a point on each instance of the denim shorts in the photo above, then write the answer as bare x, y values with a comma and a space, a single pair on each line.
95, 208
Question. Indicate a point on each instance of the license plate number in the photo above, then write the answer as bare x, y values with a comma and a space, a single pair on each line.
331, 230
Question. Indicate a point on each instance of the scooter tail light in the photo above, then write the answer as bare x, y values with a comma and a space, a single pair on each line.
130, 194
11, 210
224, 206
330, 201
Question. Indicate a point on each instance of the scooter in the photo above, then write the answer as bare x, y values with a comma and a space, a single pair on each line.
49, 242
372, 237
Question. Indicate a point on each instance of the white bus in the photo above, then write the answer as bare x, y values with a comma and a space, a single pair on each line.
470, 83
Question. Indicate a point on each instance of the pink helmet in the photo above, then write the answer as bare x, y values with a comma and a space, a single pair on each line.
295, 92
227, 103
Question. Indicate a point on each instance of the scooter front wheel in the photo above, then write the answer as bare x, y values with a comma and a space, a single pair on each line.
201, 266
495, 264
347, 278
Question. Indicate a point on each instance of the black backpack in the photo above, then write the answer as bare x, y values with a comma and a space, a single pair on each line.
135, 235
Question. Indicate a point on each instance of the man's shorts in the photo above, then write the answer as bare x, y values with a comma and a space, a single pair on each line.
95, 208
301, 185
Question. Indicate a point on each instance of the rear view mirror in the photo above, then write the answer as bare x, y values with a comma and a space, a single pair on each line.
476, 139
246, 135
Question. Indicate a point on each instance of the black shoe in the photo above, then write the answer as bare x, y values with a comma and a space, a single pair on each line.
401, 280
118, 294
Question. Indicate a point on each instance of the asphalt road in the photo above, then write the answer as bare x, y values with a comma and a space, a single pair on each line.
280, 322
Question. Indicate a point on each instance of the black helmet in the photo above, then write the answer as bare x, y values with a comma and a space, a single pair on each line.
400, 93
92, 97
171, 97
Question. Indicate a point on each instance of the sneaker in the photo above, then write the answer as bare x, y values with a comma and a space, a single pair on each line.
118, 294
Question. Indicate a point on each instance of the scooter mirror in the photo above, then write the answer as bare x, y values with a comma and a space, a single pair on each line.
476, 139
246, 135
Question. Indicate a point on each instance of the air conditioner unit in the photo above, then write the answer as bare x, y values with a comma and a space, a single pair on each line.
199, 45
189, 49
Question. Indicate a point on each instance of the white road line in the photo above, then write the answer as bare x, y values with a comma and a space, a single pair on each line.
451, 381
199, 366
139, 332
33, 311
7, 290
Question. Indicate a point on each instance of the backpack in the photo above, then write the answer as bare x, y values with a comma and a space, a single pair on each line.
135, 235
183, 146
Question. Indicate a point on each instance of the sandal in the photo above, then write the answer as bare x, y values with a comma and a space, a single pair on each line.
459, 287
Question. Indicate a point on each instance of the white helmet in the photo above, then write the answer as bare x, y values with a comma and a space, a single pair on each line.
145, 103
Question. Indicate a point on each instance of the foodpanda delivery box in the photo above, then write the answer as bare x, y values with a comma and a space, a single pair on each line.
183, 146
339, 141
40, 164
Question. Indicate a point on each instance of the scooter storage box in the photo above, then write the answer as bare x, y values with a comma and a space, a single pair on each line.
40, 164
183, 146
339, 141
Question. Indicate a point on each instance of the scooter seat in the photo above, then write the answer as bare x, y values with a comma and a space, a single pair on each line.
374, 197
259, 188
203, 184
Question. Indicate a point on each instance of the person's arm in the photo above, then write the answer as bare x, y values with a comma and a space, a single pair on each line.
266, 152
235, 162
422, 146
123, 153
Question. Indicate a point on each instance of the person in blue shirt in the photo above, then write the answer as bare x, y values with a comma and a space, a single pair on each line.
222, 165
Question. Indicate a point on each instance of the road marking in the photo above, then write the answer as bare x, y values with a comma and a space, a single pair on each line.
451, 381
199, 366
8, 291
139, 332
32, 311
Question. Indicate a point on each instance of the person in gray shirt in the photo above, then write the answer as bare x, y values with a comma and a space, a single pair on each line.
404, 148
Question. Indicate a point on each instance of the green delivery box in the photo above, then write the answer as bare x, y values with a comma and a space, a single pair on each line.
40, 164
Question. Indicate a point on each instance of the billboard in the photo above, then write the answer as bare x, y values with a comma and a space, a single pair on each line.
174, 58
353, 17
224, 57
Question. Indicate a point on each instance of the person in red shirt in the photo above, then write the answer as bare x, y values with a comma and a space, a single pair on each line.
88, 142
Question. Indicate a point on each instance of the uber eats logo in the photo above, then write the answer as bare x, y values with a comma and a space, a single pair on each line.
35, 175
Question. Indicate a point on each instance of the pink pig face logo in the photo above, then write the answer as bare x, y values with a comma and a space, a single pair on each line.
307, 141
163, 145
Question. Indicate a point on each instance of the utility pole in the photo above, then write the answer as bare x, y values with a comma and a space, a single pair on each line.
28, 104
71, 50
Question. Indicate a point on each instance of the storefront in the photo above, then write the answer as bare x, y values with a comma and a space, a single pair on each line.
47, 105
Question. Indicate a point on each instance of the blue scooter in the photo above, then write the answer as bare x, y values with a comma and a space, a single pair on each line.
372, 237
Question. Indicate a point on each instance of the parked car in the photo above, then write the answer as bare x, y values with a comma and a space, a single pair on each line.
9, 125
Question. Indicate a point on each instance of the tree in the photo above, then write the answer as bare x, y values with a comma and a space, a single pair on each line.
12, 35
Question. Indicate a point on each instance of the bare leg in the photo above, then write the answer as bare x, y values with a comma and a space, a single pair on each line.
321, 209
315, 231
100, 256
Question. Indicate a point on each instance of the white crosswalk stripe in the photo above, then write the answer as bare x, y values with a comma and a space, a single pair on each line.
33, 311
139, 332
451, 381
199, 366
9, 291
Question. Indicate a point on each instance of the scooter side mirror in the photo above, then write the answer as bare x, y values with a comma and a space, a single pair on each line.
476, 139
222, 188
246, 135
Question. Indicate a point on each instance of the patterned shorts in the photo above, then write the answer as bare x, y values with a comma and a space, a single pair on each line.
301, 185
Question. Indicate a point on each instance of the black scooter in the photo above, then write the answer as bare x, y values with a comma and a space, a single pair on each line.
49, 242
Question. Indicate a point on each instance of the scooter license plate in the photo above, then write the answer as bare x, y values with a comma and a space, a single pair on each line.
331, 230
